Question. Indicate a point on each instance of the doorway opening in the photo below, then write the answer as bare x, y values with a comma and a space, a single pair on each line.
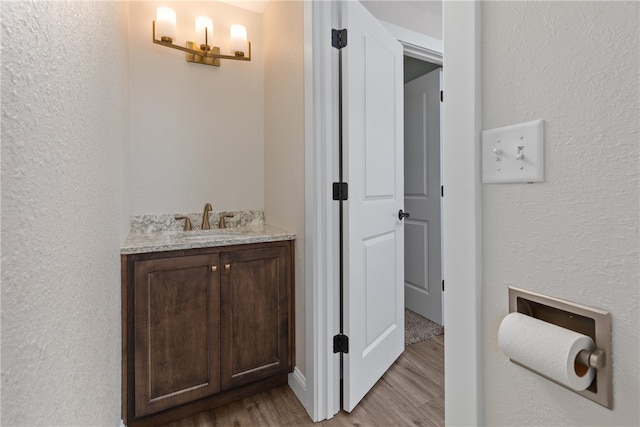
423, 287
461, 29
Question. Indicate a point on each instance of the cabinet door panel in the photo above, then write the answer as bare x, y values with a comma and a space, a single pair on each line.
254, 315
176, 335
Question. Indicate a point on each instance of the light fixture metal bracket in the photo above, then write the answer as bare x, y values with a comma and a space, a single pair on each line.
200, 54
203, 59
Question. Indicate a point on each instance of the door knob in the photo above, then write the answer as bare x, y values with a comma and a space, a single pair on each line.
402, 215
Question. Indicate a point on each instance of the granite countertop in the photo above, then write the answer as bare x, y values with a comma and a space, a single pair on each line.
159, 241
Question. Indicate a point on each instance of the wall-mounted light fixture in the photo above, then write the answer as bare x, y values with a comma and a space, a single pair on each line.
200, 51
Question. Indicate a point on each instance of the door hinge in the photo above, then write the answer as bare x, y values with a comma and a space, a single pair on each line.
340, 343
442, 285
340, 191
339, 38
442, 191
441, 96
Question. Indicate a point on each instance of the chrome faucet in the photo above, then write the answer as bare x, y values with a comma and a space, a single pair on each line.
205, 217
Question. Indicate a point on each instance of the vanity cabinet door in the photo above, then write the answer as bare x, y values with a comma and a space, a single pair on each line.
255, 314
177, 331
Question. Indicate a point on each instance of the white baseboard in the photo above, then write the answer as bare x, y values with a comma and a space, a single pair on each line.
298, 383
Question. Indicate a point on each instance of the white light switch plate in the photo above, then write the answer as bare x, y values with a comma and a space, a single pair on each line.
513, 154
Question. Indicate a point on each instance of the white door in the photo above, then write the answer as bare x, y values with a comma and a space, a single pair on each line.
374, 234
423, 260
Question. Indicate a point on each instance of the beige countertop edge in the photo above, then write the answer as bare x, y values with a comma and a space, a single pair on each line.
138, 242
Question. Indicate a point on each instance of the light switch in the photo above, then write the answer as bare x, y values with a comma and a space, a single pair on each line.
513, 154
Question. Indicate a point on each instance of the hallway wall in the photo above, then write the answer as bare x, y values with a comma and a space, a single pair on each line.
65, 210
575, 236
424, 17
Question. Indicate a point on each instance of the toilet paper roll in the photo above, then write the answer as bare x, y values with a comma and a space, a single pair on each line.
546, 348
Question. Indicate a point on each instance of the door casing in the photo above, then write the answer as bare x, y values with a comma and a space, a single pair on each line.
318, 388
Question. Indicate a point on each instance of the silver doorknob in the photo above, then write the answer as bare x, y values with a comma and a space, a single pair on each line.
402, 215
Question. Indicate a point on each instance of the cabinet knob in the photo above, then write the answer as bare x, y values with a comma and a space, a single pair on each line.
227, 266
214, 268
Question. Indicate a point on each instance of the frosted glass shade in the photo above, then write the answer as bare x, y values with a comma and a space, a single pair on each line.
165, 23
202, 23
238, 38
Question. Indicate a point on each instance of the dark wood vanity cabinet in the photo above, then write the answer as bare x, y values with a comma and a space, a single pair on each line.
203, 327
176, 331
254, 324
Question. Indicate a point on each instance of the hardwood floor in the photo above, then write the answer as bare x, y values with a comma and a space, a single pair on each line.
410, 393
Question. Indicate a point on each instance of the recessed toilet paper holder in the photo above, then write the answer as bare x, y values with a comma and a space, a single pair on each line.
585, 320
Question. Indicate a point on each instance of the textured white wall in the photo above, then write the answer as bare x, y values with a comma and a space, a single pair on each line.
64, 210
197, 132
575, 236
284, 137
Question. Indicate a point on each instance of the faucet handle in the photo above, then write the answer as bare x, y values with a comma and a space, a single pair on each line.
223, 223
187, 222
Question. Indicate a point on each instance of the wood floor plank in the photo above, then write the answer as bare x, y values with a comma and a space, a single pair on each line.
410, 393
231, 414
274, 408
201, 419
419, 376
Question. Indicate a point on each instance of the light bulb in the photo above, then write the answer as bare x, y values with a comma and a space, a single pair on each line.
238, 39
202, 23
165, 23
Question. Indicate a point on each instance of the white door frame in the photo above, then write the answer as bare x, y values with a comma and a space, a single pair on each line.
318, 389
462, 213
